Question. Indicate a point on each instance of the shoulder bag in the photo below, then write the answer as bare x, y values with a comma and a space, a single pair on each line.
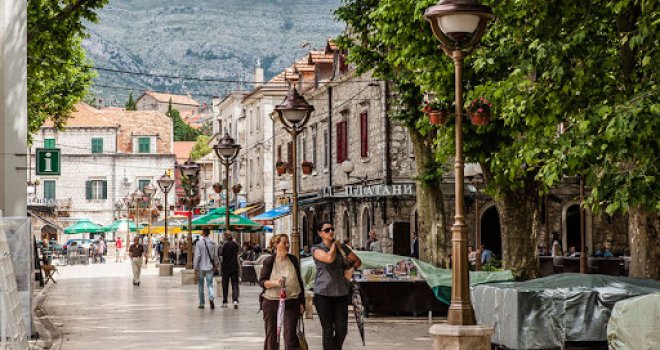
301, 335
216, 270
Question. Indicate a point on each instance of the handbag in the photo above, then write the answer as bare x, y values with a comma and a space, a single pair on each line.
301, 335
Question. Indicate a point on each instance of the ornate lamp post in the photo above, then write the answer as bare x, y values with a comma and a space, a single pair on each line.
128, 201
227, 150
294, 113
459, 25
136, 198
189, 178
149, 192
165, 183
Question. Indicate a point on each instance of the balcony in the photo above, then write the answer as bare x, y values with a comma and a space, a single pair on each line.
49, 204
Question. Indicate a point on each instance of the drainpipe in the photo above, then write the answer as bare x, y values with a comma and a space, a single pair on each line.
329, 150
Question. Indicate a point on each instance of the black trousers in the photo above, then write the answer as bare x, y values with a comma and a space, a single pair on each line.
333, 313
233, 276
291, 315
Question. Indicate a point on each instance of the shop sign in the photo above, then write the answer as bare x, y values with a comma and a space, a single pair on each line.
357, 191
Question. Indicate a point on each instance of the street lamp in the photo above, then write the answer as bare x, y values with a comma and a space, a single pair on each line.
136, 198
149, 192
189, 177
227, 150
165, 183
294, 113
128, 201
459, 25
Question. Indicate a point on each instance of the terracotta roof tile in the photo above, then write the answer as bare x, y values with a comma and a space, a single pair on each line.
182, 150
85, 115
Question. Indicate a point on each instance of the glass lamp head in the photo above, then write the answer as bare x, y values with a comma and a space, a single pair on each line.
458, 24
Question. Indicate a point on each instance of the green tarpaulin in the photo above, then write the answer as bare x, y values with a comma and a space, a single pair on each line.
438, 279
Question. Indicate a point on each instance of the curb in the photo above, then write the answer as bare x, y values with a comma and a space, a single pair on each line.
44, 327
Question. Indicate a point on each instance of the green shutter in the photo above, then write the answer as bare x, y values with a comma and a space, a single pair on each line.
88, 190
49, 143
49, 189
105, 189
144, 145
97, 145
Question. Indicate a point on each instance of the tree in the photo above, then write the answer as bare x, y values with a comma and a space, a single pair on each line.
182, 131
59, 74
201, 147
130, 104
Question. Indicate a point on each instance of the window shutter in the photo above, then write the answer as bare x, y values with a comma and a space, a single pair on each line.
289, 156
88, 190
364, 135
105, 189
340, 143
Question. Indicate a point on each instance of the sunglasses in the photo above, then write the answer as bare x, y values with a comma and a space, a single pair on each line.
329, 229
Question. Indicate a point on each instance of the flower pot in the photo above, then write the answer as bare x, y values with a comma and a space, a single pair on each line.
438, 117
480, 119
307, 169
280, 170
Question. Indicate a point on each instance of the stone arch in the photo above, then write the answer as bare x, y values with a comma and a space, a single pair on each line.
490, 230
414, 221
365, 226
570, 227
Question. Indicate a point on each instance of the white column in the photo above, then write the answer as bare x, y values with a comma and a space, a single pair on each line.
13, 108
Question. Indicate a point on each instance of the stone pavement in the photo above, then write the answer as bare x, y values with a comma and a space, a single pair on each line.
97, 307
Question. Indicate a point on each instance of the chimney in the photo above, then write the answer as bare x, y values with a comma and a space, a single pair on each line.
258, 75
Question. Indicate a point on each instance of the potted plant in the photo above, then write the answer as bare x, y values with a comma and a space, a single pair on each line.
479, 110
281, 167
307, 167
237, 188
437, 110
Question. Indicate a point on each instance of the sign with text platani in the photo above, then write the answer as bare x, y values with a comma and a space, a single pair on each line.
379, 190
48, 161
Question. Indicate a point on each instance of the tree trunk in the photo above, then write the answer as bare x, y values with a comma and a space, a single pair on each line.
643, 230
430, 205
519, 211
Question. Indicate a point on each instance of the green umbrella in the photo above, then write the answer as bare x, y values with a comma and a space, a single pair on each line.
236, 222
121, 225
83, 226
204, 220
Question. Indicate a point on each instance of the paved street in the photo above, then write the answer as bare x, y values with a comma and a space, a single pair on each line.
97, 307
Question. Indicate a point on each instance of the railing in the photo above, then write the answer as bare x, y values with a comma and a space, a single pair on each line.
62, 203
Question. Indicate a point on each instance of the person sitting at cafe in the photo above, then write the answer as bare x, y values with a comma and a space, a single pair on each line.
486, 255
572, 253
603, 252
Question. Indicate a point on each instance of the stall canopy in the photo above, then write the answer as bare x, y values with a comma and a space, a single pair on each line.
121, 225
83, 226
438, 279
174, 225
273, 214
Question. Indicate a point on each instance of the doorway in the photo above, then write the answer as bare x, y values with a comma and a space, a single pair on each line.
491, 235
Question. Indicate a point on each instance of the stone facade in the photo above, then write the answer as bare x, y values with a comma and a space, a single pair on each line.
116, 171
154, 101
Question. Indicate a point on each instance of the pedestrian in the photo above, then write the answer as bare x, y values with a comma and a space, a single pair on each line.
136, 253
119, 251
230, 269
205, 262
281, 270
100, 249
332, 287
375, 243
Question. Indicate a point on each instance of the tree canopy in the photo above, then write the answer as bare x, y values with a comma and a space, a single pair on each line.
130, 104
182, 131
201, 147
59, 74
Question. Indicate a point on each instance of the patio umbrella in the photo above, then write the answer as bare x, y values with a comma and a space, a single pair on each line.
280, 312
358, 309
121, 225
83, 226
236, 222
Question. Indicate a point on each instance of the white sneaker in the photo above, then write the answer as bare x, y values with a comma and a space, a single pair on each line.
236, 305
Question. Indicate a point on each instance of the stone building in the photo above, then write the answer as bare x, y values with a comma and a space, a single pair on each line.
105, 156
157, 101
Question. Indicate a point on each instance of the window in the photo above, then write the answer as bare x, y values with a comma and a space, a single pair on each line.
257, 183
142, 184
144, 145
314, 137
289, 156
96, 189
258, 119
364, 135
49, 189
326, 154
342, 142
97, 145
250, 174
49, 143
279, 153
303, 147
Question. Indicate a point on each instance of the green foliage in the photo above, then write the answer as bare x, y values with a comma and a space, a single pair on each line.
58, 72
201, 147
182, 131
130, 104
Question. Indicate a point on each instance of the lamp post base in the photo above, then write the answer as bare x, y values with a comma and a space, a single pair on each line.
165, 269
188, 276
450, 337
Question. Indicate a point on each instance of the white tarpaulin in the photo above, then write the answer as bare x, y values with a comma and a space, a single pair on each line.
635, 324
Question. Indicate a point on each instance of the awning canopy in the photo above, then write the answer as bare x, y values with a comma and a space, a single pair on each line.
245, 210
272, 214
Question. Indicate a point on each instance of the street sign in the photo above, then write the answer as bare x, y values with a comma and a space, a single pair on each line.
48, 161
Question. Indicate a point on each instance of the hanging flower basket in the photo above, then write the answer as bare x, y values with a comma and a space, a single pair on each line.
281, 168
438, 117
237, 188
307, 167
479, 110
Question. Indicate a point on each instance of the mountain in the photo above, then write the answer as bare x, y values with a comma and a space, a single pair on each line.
204, 39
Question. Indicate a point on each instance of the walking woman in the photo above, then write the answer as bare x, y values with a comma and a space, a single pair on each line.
332, 286
281, 270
